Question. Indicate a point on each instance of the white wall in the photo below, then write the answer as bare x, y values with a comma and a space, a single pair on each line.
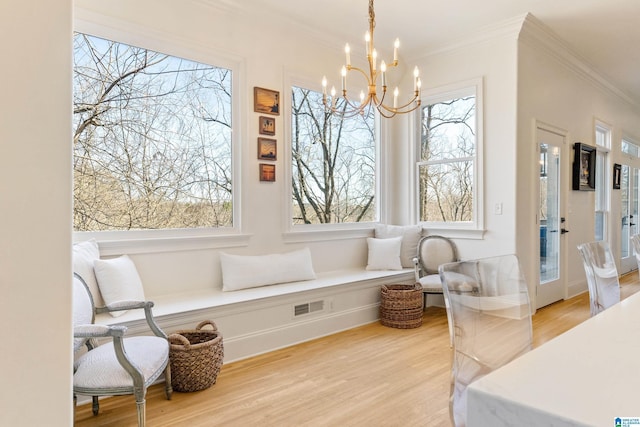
493, 60
556, 88
35, 213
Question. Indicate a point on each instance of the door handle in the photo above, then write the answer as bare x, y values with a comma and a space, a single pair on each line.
563, 231
631, 223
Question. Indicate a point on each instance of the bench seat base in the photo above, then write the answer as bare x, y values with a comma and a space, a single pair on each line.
258, 320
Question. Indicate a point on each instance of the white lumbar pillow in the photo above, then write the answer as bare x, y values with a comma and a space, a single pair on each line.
410, 234
384, 254
118, 280
84, 255
250, 271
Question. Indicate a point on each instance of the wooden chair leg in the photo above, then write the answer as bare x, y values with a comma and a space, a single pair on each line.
168, 388
140, 406
96, 405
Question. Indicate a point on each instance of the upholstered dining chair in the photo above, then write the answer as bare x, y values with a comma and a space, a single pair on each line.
492, 324
432, 251
121, 365
602, 275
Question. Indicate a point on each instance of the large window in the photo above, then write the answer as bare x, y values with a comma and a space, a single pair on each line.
603, 146
333, 163
447, 159
152, 139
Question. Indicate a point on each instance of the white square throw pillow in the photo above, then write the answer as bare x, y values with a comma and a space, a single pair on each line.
250, 271
410, 234
84, 255
118, 280
384, 254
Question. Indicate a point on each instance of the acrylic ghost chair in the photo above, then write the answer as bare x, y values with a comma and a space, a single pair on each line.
121, 365
635, 241
492, 324
602, 275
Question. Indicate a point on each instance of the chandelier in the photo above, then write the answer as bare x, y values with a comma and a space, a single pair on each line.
350, 108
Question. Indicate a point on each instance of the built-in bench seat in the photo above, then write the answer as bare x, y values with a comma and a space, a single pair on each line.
171, 304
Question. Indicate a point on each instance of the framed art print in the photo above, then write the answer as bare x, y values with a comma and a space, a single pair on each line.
267, 125
267, 149
266, 101
267, 172
584, 167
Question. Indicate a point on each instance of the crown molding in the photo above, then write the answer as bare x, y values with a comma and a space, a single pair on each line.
537, 35
507, 29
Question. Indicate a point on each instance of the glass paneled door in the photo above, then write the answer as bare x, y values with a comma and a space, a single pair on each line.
551, 287
629, 178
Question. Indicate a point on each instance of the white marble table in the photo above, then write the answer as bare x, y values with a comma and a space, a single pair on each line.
587, 376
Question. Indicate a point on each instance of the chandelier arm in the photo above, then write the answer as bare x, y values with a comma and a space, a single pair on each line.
366, 77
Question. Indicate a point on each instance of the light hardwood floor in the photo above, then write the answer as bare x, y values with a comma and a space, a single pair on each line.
368, 376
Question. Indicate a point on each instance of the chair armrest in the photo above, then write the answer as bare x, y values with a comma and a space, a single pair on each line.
123, 305
132, 305
116, 333
98, 331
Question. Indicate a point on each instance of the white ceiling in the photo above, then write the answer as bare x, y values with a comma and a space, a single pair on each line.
605, 33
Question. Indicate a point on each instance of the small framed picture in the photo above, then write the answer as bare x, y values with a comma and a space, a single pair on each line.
617, 172
267, 172
267, 149
584, 167
267, 125
266, 101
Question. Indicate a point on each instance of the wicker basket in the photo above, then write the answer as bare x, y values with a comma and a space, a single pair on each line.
401, 306
196, 357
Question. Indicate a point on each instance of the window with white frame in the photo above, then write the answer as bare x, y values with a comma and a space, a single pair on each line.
152, 140
447, 162
333, 163
602, 196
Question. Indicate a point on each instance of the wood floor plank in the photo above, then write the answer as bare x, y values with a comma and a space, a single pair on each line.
368, 376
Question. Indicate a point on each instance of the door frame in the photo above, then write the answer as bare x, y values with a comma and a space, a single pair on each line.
564, 178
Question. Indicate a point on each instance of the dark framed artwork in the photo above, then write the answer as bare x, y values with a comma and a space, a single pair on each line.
267, 172
584, 167
267, 149
617, 172
266, 101
267, 125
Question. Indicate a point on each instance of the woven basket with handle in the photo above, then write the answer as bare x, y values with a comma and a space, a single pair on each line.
195, 357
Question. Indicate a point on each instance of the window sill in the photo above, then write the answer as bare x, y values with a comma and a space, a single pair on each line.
456, 233
117, 246
318, 233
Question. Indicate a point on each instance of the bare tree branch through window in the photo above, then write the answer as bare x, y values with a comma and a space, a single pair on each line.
333, 163
152, 139
447, 158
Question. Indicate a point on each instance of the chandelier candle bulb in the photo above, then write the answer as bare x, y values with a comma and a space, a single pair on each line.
343, 72
416, 73
395, 97
347, 51
396, 45
324, 85
383, 70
